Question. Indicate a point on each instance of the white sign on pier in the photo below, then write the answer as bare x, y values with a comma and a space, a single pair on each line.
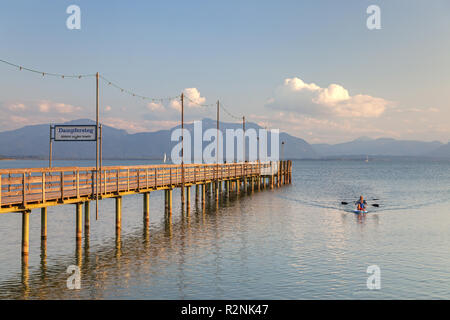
75, 133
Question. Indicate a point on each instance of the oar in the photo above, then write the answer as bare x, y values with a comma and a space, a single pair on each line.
374, 204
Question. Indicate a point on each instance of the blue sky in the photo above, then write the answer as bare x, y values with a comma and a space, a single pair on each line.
260, 58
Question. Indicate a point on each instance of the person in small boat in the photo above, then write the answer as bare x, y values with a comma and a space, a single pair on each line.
361, 204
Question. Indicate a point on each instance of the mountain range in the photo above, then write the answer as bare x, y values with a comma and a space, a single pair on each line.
33, 142
381, 147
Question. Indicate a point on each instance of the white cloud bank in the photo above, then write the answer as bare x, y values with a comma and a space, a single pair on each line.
192, 99
57, 107
155, 106
308, 98
15, 114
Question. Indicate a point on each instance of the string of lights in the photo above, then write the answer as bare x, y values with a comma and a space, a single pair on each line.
79, 76
229, 113
240, 118
131, 93
43, 73
199, 104
115, 85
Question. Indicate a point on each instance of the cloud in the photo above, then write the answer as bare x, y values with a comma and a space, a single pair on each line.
38, 108
175, 104
163, 124
130, 126
324, 130
16, 107
44, 107
310, 99
19, 120
155, 106
417, 110
193, 97
58, 107
141, 125
11, 121
16, 114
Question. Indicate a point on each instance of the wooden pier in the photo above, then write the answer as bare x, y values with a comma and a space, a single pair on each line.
23, 190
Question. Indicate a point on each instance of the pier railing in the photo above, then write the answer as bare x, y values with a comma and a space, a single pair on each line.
23, 188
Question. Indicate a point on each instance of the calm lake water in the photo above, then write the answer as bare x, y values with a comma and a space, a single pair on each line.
295, 242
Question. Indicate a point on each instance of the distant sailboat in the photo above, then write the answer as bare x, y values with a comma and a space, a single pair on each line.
165, 158
367, 159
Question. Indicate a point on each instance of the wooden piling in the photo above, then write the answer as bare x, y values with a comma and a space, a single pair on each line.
166, 200
169, 201
87, 217
25, 235
286, 172
44, 223
79, 233
146, 206
217, 190
280, 173
290, 171
203, 193
286, 168
183, 198
188, 198
118, 214
79, 220
289, 168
